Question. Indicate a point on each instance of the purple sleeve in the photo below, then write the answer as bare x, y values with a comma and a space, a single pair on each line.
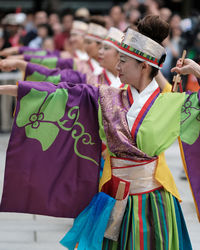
65, 63
53, 156
32, 67
69, 75
24, 49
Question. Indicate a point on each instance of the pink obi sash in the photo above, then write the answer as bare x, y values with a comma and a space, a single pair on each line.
140, 174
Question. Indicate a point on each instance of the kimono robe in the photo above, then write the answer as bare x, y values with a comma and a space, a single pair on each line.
39, 52
35, 72
50, 180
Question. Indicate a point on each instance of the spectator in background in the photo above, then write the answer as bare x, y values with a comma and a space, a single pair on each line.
43, 31
39, 18
165, 14
108, 22
194, 54
133, 17
53, 19
61, 39
174, 46
82, 13
131, 4
118, 17
48, 44
14, 28
29, 22
153, 6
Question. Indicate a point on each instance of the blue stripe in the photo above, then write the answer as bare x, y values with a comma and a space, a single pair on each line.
184, 239
164, 221
145, 232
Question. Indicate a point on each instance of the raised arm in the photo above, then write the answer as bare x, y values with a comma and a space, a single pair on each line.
164, 85
9, 90
189, 67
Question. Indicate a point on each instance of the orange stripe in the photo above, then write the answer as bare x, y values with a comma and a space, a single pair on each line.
140, 222
141, 113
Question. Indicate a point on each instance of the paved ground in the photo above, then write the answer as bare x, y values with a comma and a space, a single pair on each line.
30, 232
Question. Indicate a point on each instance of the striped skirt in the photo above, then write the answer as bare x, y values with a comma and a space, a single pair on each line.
152, 221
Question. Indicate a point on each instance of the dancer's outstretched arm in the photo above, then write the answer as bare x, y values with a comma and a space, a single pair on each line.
11, 64
11, 90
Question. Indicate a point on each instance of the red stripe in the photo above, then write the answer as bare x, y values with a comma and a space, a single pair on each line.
140, 222
142, 57
122, 85
90, 64
98, 37
132, 166
130, 94
115, 43
141, 113
180, 86
128, 159
106, 76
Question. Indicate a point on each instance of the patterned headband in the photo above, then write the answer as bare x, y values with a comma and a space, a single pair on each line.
143, 48
96, 32
114, 37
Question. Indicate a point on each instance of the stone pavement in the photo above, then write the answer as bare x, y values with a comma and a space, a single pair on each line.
33, 232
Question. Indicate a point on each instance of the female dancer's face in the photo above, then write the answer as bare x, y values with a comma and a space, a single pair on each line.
108, 57
77, 41
130, 70
92, 48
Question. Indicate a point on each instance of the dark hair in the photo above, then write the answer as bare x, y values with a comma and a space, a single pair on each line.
155, 28
47, 27
98, 20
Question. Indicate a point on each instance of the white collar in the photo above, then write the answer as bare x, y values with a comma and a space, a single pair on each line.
82, 55
139, 99
115, 80
97, 68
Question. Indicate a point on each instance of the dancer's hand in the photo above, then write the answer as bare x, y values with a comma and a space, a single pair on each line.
188, 67
9, 51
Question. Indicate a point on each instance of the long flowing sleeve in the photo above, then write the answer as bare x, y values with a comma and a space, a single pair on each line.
40, 52
35, 72
53, 156
190, 143
51, 62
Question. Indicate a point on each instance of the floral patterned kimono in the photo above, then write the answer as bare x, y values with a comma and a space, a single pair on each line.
54, 152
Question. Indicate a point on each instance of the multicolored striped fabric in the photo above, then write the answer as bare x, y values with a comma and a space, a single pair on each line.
152, 221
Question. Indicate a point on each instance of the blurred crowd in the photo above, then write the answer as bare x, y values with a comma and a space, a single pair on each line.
51, 31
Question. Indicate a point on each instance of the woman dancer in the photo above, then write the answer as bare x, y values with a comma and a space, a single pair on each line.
139, 134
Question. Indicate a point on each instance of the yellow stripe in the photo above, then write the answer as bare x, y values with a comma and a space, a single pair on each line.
106, 175
165, 178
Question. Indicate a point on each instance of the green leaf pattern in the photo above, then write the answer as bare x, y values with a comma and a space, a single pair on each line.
42, 119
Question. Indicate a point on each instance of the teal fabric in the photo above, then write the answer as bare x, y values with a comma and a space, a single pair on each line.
89, 227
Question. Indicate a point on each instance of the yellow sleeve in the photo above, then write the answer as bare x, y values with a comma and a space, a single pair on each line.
167, 88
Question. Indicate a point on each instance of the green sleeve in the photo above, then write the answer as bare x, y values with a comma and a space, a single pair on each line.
49, 62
